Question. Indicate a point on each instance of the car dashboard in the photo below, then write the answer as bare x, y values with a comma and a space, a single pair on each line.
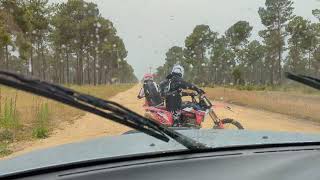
285, 163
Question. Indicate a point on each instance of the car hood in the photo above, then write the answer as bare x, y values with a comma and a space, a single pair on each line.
139, 143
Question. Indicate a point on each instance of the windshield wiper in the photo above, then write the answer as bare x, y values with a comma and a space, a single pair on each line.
107, 109
306, 80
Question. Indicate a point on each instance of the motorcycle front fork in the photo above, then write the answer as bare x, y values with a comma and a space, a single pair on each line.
217, 122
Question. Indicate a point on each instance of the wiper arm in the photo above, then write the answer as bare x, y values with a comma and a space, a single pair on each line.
107, 109
306, 80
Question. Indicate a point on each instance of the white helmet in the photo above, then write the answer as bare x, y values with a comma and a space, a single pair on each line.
177, 69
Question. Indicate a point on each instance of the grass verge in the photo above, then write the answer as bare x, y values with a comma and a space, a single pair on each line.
291, 103
24, 116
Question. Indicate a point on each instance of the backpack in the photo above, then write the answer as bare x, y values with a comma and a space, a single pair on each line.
152, 93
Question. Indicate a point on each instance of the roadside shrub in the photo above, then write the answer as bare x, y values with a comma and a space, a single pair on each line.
6, 136
41, 129
9, 116
9, 120
40, 133
4, 150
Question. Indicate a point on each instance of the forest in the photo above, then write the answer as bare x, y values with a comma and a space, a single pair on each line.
67, 43
287, 43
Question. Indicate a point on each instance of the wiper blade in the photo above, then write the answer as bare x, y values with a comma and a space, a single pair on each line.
107, 109
306, 80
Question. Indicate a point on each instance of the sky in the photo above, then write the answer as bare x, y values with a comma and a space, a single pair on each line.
150, 27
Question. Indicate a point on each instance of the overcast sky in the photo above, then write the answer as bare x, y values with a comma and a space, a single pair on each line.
150, 27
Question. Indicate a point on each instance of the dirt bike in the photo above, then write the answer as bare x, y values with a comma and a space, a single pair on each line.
193, 113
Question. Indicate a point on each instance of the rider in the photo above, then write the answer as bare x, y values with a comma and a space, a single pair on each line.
150, 91
172, 88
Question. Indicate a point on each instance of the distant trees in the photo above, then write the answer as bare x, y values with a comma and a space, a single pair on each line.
289, 43
198, 44
68, 42
275, 16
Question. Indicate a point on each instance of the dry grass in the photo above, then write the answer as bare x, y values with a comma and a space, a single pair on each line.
28, 107
291, 103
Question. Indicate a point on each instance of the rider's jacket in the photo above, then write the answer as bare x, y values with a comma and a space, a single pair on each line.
171, 89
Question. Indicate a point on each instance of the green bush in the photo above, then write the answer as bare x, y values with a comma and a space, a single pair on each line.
6, 136
4, 150
9, 116
42, 122
40, 133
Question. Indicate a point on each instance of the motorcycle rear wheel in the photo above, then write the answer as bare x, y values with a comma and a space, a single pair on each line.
229, 124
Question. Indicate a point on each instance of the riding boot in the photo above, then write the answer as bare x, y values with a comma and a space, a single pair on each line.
176, 118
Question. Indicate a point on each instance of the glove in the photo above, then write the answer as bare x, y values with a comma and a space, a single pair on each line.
200, 91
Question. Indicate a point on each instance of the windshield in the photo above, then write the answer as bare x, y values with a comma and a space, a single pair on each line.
201, 72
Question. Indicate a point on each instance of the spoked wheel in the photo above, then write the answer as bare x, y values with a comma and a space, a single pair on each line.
228, 124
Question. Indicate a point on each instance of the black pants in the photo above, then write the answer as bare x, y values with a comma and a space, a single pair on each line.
174, 105
173, 102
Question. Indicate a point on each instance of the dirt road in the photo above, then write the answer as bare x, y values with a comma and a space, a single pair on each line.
91, 126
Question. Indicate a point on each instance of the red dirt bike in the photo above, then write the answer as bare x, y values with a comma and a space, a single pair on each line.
193, 113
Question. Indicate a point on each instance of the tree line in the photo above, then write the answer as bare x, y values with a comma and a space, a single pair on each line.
66, 42
289, 43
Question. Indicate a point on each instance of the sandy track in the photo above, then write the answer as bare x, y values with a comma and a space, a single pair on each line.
91, 126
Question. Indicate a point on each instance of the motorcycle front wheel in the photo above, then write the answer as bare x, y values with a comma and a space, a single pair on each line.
228, 124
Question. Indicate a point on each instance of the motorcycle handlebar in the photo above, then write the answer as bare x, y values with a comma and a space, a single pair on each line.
192, 94
201, 96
